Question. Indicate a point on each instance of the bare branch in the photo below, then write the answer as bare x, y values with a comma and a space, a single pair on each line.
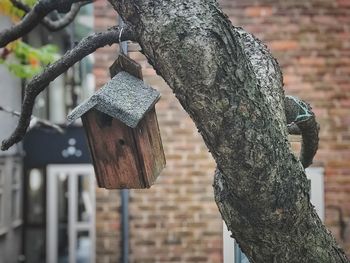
87, 46
55, 25
33, 18
34, 120
59, 22
20, 5
301, 120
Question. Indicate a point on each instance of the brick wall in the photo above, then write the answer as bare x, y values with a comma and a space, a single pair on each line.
177, 220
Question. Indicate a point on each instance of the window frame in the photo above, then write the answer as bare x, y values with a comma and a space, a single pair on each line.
16, 194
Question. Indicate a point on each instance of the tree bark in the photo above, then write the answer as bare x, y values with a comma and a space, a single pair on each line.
231, 86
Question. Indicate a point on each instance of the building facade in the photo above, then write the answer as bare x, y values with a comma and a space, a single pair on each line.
10, 170
47, 187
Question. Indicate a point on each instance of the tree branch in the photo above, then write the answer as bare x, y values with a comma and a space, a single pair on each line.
20, 5
33, 18
59, 22
87, 46
301, 120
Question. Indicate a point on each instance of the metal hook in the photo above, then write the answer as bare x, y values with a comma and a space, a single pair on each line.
121, 49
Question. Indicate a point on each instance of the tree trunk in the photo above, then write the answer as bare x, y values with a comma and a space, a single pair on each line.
231, 86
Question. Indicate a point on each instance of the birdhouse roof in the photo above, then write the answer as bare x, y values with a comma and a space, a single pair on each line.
124, 97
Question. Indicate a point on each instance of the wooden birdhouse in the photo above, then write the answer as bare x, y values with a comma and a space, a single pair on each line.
123, 134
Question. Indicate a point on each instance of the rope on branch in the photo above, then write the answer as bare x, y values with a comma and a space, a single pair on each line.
301, 120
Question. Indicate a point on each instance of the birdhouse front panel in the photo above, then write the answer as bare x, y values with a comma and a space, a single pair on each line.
113, 150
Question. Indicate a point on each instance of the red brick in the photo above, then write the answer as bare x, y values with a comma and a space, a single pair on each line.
283, 45
257, 11
343, 3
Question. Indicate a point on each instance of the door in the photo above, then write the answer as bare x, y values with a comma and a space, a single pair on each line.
70, 214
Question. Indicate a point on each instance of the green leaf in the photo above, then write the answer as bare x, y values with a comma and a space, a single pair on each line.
23, 71
30, 3
47, 54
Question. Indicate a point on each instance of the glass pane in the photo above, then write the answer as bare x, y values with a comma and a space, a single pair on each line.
40, 107
15, 213
240, 257
62, 199
84, 199
35, 244
15, 174
35, 200
83, 247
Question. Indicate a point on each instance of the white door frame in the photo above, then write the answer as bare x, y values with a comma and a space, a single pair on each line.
72, 171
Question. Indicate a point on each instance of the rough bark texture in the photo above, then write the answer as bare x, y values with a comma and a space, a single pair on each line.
232, 88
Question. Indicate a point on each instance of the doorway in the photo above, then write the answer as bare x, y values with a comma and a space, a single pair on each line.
70, 213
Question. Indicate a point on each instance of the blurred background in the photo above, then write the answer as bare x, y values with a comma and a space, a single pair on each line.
50, 209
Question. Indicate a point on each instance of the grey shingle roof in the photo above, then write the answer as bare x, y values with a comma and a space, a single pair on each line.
124, 97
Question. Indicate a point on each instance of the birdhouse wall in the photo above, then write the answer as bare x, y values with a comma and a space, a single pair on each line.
149, 144
124, 157
113, 151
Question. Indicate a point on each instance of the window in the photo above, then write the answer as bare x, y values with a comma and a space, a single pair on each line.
16, 207
315, 176
232, 252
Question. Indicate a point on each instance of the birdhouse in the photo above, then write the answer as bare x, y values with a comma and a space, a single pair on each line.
123, 134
